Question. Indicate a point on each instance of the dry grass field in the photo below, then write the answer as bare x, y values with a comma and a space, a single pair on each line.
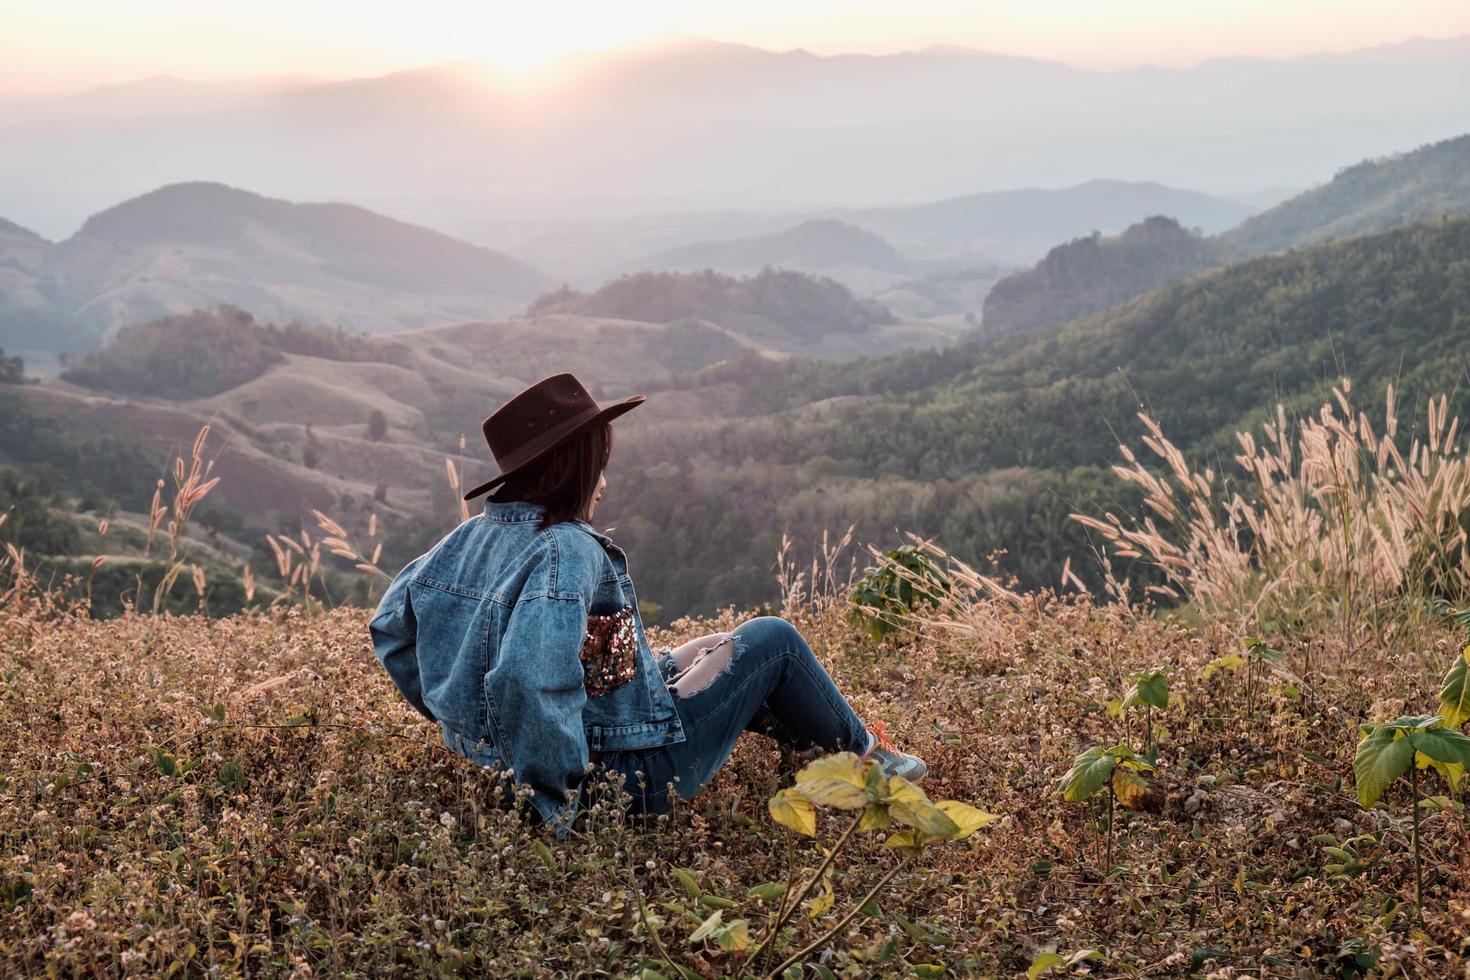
1204, 790
249, 797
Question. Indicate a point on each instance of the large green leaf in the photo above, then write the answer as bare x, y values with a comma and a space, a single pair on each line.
1454, 697
837, 780
1384, 754
1151, 688
1448, 745
1089, 773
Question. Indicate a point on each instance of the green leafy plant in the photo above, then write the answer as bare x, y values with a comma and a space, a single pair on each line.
1150, 689
1389, 750
884, 598
1120, 769
877, 802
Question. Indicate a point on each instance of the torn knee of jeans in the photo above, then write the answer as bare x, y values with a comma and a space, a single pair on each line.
711, 662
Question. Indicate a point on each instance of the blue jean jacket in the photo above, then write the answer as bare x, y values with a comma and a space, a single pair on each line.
527, 649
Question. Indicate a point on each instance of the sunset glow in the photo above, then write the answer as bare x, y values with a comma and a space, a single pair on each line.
61, 45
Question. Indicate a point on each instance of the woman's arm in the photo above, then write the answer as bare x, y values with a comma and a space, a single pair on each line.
394, 630
536, 696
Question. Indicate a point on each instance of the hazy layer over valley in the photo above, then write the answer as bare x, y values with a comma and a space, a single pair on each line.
689, 124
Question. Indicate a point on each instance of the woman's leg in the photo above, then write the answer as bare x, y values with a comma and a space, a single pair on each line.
763, 667
685, 654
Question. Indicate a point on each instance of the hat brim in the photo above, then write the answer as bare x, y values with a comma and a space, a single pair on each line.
606, 415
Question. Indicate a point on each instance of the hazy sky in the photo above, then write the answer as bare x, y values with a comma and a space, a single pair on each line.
58, 45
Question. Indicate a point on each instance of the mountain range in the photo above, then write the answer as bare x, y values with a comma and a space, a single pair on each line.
870, 248
1095, 272
987, 444
688, 124
203, 244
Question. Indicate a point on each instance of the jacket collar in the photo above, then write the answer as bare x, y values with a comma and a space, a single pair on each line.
607, 541
521, 511
513, 511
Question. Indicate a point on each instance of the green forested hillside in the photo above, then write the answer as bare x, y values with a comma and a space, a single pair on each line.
191, 355
1094, 273
989, 445
1370, 196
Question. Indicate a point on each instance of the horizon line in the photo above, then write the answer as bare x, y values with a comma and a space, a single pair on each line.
673, 38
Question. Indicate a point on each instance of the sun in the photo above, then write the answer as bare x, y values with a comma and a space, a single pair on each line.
522, 37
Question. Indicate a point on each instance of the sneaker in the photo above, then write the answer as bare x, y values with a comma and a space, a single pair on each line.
895, 763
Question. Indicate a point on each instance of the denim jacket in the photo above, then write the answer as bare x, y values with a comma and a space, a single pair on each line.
527, 649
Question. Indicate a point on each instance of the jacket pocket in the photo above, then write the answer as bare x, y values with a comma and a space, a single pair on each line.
609, 651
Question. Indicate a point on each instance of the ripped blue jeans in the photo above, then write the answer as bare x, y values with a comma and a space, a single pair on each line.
760, 677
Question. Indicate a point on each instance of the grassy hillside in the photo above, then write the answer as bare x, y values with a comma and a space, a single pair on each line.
315, 418
773, 304
250, 795
959, 291
989, 444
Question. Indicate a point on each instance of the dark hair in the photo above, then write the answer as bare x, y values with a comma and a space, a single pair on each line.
565, 479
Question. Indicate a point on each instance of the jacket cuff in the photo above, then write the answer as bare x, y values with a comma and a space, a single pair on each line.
559, 814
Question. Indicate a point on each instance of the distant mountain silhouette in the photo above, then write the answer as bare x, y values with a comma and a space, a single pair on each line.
996, 228
1372, 196
823, 246
201, 244
694, 125
10, 229
1020, 225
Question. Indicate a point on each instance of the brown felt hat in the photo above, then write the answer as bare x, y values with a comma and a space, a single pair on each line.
539, 419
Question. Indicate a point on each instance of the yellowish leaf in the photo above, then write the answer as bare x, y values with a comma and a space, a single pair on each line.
967, 818
836, 780
1131, 787
875, 817
823, 902
791, 809
908, 804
